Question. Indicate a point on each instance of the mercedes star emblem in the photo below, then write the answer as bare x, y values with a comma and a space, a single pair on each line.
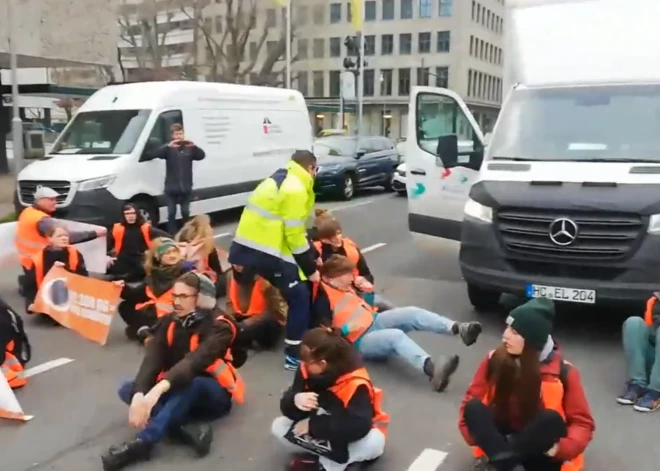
563, 231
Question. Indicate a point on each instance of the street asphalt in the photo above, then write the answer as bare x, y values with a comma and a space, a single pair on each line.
78, 415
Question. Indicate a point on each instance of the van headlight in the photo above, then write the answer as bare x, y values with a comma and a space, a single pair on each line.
96, 183
478, 211
654, 224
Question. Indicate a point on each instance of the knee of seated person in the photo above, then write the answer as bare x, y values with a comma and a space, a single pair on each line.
125, 391
634, 322
472, 407
280, 426
552, 419
375, 441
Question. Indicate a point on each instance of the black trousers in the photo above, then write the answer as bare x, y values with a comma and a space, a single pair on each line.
135, 319
127, 269
263, 330
526, 448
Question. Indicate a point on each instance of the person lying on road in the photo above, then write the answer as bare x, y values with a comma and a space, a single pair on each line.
187, 376
525, 409
377, 335
641, 337
332, 410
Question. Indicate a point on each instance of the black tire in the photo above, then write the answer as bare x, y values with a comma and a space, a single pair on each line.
483, 300
348, 187
148, 209
388, 183
402, 193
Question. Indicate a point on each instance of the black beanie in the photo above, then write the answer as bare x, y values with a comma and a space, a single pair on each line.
533, 321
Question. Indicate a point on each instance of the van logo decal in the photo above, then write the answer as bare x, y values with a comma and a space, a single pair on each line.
446, 174
418, 190
270, 128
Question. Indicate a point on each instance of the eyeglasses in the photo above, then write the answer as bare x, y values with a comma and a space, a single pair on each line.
182, 296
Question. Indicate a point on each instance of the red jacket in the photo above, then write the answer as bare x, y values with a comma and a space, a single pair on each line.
579, 420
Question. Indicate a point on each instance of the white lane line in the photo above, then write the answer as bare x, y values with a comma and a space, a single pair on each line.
428, 460
49, 365
356, 204
373, 247
220, 236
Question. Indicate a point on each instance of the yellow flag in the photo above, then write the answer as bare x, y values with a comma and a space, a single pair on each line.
281, 3
357, 15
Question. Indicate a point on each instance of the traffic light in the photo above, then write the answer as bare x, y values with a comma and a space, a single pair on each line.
352, 44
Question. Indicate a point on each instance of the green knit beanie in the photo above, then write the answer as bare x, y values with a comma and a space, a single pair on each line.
533, 321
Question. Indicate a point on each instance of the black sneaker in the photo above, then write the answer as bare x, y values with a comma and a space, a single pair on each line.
442, 372
131, 334
143, 335
469, 332
197, 436
632, 393
120, 456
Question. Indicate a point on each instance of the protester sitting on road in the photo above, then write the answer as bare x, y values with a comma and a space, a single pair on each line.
502, 417
15, 350
127, 242
332, 410
378, 335
259, 307
186, 375
641, 337
145, 303
320, 215
58, 252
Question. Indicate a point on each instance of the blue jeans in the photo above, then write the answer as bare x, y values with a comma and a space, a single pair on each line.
642, 356
203, 400
388, 334
174, 200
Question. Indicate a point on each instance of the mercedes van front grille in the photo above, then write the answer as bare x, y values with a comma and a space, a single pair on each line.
28, 187
569, 235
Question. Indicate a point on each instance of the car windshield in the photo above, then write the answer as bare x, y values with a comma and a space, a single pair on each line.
102, 132
334, 147
603, 123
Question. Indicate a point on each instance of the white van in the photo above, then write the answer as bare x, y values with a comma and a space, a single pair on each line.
96, 163
565, 201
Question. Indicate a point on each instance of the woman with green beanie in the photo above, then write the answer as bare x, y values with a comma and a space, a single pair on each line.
525, 408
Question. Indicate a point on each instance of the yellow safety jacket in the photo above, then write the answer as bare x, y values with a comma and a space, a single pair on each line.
274, 219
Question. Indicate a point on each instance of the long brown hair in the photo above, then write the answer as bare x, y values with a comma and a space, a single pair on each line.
517, 378
198, 229
325, 343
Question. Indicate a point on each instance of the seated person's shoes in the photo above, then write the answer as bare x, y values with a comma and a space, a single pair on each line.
120, 456
199, 437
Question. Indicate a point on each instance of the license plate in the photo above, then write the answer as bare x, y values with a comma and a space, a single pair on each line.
569, 295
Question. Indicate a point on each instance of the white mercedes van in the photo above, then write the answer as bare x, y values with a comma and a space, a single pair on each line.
96, 164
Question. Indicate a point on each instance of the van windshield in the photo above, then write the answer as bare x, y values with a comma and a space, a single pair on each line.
102, 132
603, 123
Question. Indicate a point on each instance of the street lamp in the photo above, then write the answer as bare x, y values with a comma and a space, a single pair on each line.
16, 123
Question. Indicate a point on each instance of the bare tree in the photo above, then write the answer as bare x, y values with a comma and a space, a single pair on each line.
68, 104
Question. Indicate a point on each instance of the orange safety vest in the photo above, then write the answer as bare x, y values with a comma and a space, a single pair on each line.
257, 300
163, 303
38, 263
28, 241
349, 309
222, 369
648, 314
206, 270
345, 387
118, 231
351, 249
12, 368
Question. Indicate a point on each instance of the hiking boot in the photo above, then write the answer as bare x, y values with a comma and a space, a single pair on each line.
649, 402
632, 393
468, 331
197, 436
442, 372
120, 456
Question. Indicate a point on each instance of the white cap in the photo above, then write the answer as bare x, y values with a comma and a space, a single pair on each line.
45, 192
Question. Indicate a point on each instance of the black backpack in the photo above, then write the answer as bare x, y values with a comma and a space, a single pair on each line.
12, 321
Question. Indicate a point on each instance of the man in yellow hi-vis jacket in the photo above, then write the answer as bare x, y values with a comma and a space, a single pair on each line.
271, 241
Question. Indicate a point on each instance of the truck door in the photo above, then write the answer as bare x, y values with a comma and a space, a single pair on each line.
444, 151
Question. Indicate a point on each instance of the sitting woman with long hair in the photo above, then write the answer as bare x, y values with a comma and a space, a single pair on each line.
525, 408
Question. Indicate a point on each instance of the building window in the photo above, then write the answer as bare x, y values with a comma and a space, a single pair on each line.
387, 44
370, 45
270, 47
444, 40
446, 7
303, 45
469, 83
424, 43
303, 86
335, 47
271, 18
471, 45
218, 24
425, 8
370, 10
335, 83
369, 77
302, 16
318, 48
386, 82
319, 15
318, 83
406, 9
423, 76
442, 77
349, 12
388, 9
474, 12
335, 12
405, 44
404, 82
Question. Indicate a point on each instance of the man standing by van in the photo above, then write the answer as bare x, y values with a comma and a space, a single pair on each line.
178, 156
271, 241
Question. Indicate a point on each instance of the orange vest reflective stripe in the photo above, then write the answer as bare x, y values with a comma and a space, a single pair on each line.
257, 300
163, 303
12, 369
345, 387
118, 232
28, 241
648, 314
38, 263
222, 369
349, 312
351, 249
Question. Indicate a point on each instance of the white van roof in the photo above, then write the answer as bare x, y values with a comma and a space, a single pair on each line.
153, 95
573, 42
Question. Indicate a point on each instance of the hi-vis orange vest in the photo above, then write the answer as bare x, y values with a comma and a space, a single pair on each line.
205, 269
38, 261
118, 231
162, 303
28, 241
648, 314
350, 310
12, 368
351, 249
257, 300
222, 369
345, 387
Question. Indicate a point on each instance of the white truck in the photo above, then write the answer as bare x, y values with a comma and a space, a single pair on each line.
565, 201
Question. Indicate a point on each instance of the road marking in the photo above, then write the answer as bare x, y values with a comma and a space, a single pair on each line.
49, 365
428, 460
220, 236
358, 203
373, 247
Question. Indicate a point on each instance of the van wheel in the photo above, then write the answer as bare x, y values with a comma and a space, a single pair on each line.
348, 187
148, 210
388, 183
483, 299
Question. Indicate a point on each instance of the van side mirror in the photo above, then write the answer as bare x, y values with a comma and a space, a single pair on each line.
447, 150
152, 145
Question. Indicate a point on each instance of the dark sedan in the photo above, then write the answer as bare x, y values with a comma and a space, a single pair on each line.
346, 165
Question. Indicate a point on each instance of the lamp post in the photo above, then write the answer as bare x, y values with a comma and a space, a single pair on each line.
16, 123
